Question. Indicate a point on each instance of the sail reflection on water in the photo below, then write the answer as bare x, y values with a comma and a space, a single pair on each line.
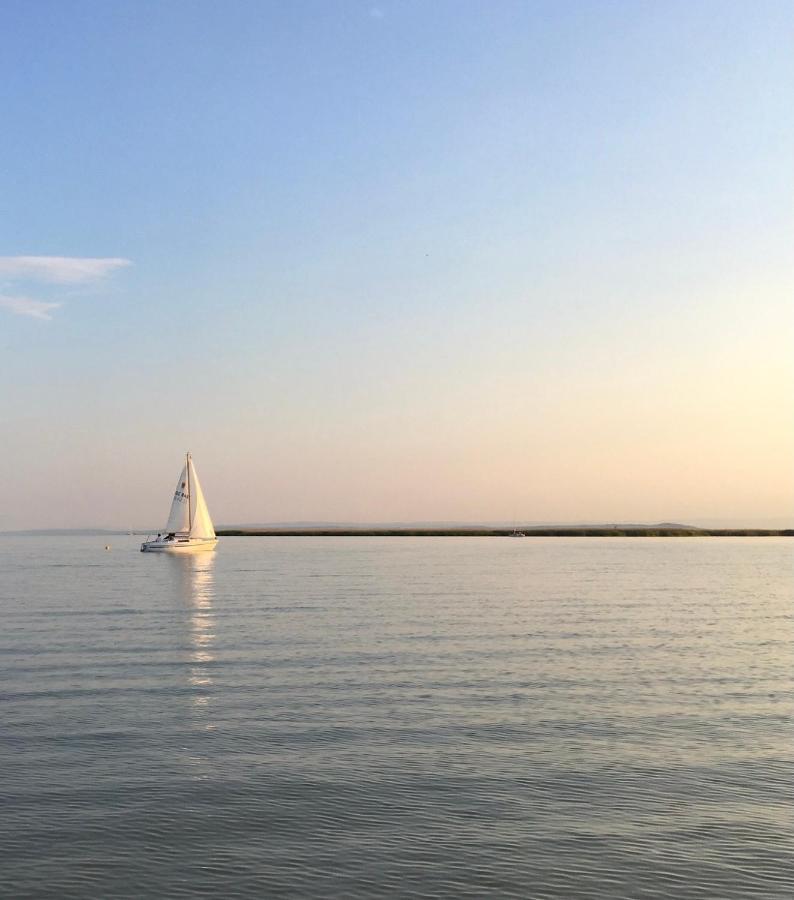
198, 589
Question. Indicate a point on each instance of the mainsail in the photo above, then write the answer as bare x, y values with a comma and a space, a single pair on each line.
179, 520
189, 513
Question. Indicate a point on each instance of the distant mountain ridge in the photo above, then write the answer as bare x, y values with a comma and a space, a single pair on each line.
449, 524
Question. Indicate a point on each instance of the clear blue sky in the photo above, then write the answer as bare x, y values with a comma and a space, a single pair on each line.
397, 260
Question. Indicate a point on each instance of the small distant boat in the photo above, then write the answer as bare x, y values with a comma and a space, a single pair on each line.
189, 525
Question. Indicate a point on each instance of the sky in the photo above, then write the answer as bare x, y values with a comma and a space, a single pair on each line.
397, 261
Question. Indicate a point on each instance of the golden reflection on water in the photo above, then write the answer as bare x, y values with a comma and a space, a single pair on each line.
197, 582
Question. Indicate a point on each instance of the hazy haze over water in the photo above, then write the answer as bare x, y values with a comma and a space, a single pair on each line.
546, 718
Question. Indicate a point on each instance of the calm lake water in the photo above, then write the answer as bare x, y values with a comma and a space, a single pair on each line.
397, 717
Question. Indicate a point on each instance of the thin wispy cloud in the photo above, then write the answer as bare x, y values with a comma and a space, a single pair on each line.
60, 269
21, 273
27, 306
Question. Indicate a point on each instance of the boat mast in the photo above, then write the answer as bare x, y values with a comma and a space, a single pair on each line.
189, 514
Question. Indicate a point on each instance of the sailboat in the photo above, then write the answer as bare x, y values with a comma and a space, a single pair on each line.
189, 526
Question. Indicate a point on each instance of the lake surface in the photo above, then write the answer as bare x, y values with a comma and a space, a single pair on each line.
397, 717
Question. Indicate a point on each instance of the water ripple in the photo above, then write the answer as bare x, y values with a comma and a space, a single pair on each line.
369, 718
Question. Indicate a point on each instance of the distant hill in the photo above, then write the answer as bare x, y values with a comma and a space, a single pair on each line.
74, 532
446, 525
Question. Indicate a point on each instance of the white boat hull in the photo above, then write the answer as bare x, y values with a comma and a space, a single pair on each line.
190, 546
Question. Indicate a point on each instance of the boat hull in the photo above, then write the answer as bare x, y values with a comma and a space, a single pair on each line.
191, 546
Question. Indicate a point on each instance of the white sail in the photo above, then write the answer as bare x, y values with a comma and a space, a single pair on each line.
179, 520
201, 523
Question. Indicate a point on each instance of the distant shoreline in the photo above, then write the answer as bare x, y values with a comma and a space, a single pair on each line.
505, 532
